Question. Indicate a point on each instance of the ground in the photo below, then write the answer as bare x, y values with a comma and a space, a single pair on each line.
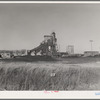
66, 74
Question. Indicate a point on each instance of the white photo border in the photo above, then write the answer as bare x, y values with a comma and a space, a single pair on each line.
50, 94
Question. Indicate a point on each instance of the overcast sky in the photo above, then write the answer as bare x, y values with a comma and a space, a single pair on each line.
22, 26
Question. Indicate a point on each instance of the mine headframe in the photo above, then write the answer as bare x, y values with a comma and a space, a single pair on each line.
46, 47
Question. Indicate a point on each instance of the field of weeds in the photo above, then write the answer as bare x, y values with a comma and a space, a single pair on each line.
49, 76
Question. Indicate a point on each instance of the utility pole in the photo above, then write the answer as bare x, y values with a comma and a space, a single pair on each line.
91, 41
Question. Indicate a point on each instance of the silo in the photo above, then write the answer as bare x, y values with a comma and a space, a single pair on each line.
70, 49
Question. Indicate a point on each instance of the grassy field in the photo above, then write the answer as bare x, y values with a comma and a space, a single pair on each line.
49, 76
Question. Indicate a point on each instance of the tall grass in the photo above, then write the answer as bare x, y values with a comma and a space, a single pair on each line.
30, 76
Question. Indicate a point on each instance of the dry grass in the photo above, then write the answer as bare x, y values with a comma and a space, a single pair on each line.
47, 76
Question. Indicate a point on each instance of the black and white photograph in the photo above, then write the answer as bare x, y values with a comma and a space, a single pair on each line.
49, 47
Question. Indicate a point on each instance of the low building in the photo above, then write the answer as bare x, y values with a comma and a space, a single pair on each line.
12, 53
5, 55
62, 54
91, 53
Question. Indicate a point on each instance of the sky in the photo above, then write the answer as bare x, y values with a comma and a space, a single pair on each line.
23, 26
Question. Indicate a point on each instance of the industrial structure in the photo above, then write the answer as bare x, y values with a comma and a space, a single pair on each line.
70, 49
12, 53
47, 47
91, 53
